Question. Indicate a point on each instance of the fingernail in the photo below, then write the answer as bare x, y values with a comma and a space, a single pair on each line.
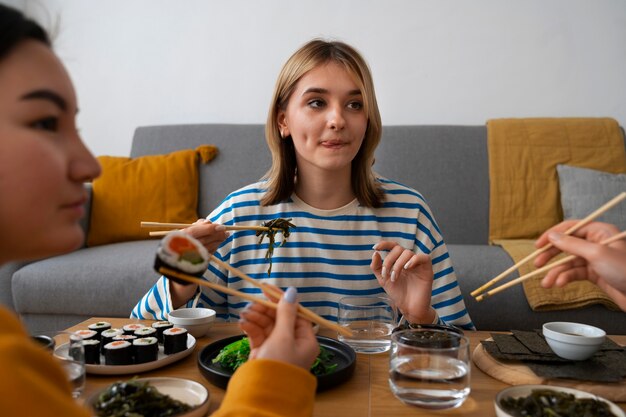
408, 265
291, 294
220, 227
393, 276
207, 221
227, 234
375, 246
384, 272
555, 236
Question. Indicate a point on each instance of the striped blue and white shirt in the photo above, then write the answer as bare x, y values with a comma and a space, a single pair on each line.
326, 257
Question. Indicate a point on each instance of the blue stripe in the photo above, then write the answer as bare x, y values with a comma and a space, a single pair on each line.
147, 303
454, 316
308, 260
421, 247
440, 258
445, 288
426, 231
316, 245
443, 273
449, 302
167, 301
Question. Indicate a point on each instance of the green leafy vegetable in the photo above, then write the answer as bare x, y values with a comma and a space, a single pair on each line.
549, 403
137, 399
235, 354
275, 226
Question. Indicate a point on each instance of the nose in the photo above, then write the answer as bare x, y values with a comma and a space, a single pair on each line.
84, 167
336, 120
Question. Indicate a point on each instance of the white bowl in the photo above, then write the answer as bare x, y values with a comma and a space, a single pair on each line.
197, 321
524, 390
574, 341
185, 390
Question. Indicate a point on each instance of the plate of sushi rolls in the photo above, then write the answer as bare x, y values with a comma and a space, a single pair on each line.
134, 348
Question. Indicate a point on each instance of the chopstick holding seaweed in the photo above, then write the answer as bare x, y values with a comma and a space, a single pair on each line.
173, 226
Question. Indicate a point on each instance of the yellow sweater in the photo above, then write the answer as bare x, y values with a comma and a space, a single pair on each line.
31, 383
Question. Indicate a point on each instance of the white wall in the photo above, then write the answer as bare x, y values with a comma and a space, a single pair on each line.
140, 62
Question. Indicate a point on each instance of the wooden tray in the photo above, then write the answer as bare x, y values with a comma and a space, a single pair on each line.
516, 373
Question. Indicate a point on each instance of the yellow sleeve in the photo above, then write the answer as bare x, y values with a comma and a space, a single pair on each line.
269, 388
31, 383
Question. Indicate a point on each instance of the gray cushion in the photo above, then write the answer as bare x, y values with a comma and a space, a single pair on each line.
584, 190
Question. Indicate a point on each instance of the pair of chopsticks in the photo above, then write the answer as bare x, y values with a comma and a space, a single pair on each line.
173, 226
274, 292
600, 211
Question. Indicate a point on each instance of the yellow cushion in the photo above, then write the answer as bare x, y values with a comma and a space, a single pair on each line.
162, 188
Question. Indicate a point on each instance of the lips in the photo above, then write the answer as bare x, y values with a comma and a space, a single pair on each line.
333, 143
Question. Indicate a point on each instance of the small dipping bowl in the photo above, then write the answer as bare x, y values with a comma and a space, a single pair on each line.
44, 341
573, 341
197, 321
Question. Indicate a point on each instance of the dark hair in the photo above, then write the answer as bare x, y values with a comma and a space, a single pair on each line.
15, 28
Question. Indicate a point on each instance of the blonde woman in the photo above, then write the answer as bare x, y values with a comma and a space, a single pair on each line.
322, 129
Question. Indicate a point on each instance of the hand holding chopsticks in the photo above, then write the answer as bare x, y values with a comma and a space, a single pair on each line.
612, 203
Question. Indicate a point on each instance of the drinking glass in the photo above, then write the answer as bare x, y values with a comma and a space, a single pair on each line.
70, 353
371, 320
429, 368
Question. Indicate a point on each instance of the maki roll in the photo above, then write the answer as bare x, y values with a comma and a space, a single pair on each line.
174, 340
183, 253
160, 326
145, 332
127, 337
92, 351
131, 328
99, 327
107, 337
87, 334
146, 349
119, 352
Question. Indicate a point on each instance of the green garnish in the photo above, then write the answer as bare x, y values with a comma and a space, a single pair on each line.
235, 354
275, 226
137, 399
549, 403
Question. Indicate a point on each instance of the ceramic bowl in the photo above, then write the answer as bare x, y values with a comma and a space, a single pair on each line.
525, 390
574, 341
44, 341
197, 321
185, 390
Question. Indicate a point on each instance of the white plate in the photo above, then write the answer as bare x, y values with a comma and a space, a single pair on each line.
162, 360
524, 390
185, 390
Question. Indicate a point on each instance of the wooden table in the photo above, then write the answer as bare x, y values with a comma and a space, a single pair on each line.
367, 393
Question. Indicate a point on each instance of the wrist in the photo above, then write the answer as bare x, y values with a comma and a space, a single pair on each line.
428, 317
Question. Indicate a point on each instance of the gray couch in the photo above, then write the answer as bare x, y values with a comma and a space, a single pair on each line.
447, 164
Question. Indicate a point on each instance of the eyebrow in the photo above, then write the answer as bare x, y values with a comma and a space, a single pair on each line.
46, 95
325, 91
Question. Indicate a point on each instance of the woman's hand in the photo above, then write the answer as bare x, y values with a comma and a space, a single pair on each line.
407, 278
280, 334
603, 265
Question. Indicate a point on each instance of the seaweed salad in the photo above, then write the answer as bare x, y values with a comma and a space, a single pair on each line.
549, 403
274, 226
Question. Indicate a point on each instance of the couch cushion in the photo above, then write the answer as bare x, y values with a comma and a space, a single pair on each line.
100, 281
158, 188
584, 190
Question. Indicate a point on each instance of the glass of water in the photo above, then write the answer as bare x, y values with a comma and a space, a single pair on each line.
430, 368
371, 320
70, 353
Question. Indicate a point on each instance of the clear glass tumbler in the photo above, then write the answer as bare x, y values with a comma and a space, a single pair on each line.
430, 368
70, 353
371, 320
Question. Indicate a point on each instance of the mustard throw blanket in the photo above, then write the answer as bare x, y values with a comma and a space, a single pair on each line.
523, 154
573, 295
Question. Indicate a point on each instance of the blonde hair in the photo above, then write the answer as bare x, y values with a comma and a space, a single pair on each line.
281, 176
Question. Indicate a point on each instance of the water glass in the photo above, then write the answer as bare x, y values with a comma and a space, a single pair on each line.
70, 353
371, 320
430, 368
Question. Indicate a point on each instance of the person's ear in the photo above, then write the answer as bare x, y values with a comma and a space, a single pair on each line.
282, 124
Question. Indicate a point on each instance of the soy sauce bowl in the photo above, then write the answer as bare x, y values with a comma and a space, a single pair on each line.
44, 341
573, 341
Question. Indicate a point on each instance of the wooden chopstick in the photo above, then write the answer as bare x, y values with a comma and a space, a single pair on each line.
173, 226
600, 211
543, 269
302, 312
277, 293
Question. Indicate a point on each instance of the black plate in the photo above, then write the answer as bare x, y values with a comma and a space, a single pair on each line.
344, 357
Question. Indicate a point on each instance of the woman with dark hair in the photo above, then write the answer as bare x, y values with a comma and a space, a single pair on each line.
43, 165
322, 129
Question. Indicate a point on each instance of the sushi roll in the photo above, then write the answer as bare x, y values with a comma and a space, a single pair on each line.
99, 327
107, 337
87, 334
127, 337
92, 351
145, 332
174, 340
146, 349
183, 253
130, 328
160, 326
119, 352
